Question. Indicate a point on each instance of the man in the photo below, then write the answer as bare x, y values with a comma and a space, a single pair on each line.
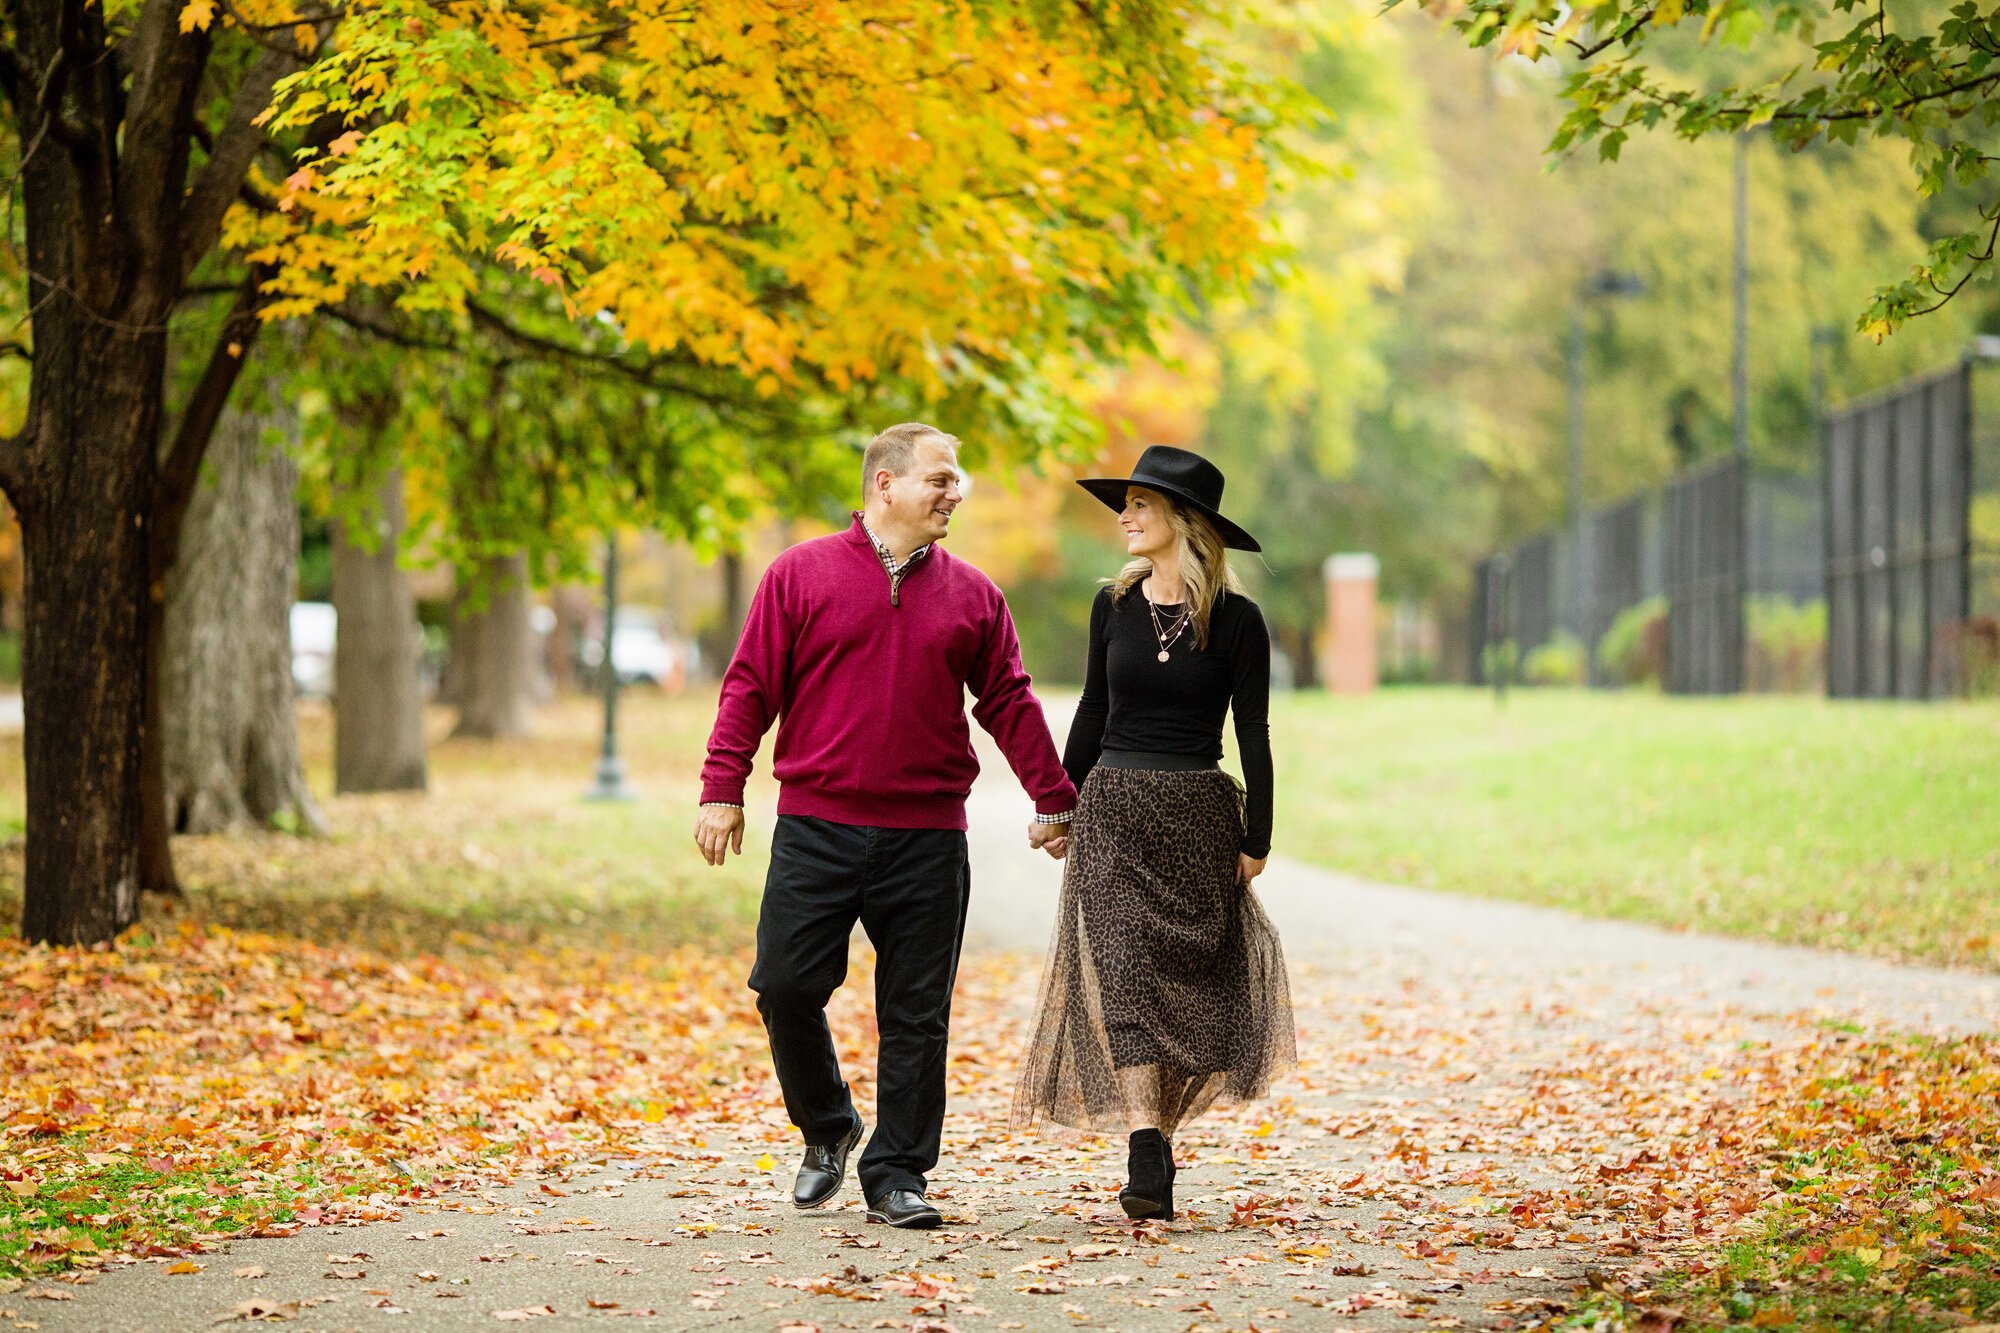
863, 644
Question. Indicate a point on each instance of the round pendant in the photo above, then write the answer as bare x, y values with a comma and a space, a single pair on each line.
1163, 655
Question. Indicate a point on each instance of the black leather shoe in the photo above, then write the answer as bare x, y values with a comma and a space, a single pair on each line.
904, 1208
823, 1170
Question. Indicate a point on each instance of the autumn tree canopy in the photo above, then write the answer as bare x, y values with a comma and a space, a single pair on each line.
813, 194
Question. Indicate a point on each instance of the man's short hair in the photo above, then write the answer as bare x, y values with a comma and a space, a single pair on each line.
896, 450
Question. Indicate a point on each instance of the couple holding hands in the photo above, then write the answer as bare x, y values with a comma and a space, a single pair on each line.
1165, 987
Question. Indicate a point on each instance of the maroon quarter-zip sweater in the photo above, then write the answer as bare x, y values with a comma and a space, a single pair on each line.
870, 695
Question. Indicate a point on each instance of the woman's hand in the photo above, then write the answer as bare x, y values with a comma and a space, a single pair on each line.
1249, 867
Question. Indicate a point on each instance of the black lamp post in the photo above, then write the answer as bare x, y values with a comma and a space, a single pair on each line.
1824, 338
611, 784
1605, 283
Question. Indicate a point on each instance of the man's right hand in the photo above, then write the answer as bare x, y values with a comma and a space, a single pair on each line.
718, 831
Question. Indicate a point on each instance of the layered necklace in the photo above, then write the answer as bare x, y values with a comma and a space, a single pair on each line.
1168, 629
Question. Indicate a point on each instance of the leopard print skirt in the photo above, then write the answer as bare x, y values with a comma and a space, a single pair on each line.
1165, 988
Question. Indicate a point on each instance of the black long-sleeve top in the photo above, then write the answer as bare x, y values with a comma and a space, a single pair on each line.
1133, 701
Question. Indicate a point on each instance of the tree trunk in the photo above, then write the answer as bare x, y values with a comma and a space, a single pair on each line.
572, 605
114, 224
493, 651
156, 834
230, 739
95, 418
733, 607
1305, 666
378, 718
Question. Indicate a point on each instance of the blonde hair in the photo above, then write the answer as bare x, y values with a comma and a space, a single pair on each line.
1205, 565
896, 450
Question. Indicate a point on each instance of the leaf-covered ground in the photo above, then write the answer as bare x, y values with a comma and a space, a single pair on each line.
420, 1034
1437, 1155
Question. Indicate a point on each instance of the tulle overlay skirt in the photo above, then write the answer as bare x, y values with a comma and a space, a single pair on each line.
1165, 990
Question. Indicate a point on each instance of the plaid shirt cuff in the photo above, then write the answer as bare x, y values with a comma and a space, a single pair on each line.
1062, 818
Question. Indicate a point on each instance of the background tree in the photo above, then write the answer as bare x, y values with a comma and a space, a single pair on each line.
1922, 76
229, 738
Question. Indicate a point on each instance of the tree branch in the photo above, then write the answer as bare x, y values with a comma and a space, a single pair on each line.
222, 179
12, 74
1678, 101
363, 322
72, 50
653, 373
48, 107
14, 467
158, 22
595, 34
181, 468
156, 139
321, 23
1586, 52
1978, 260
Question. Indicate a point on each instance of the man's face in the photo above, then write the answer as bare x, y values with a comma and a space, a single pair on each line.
922, 499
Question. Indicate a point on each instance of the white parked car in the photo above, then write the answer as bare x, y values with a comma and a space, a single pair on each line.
640, 653
313, 634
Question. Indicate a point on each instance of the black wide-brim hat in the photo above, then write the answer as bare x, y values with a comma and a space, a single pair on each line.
1188, 477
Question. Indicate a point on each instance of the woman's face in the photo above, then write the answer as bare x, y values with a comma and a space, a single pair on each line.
1144, 519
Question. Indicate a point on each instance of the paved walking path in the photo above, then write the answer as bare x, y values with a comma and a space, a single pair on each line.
1471, 1072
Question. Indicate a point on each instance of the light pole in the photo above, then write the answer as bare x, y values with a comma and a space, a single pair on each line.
1825, 337
1739, 355
611, 784
1499, 623
1604, 283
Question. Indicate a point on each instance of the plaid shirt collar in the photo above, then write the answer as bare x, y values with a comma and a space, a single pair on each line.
897, 568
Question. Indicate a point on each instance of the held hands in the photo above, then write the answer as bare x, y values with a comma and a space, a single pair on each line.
718, 831
1051, 838
1248, 868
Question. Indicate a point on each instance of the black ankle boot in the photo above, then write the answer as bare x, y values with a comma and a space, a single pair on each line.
1149, 1186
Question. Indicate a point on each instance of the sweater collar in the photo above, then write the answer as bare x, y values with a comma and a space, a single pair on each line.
859, 533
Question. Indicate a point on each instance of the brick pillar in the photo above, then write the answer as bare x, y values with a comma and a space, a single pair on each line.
1348, 666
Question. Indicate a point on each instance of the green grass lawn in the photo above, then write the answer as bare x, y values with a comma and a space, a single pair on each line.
1865, 826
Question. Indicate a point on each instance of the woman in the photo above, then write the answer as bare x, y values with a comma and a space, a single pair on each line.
1165, 987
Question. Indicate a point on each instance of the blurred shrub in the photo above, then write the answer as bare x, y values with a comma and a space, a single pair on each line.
1787, 644
1500, 660
1634, 650
1977, 643
1414, 670
1560, 661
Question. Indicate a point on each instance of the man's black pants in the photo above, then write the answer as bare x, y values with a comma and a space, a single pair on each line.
909, 889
